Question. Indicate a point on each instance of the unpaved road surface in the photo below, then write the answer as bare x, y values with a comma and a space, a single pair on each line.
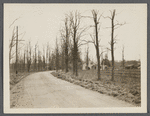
43, 90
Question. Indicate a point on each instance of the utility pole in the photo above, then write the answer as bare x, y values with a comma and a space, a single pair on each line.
16, 50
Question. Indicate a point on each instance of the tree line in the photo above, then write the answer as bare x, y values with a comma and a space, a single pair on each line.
66, 55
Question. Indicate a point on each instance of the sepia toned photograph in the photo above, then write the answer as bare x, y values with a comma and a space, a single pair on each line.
75, 58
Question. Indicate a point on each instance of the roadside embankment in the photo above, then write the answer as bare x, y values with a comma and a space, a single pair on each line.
111, 88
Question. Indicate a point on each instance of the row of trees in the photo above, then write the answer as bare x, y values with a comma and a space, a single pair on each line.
68, 55
72, 30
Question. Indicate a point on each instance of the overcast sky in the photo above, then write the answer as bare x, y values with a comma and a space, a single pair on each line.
42, 23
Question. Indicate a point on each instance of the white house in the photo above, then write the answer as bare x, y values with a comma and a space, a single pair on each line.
103, 67
90, 65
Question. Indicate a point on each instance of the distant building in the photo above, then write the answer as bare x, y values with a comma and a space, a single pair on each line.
133, 66
90, 65
105, 63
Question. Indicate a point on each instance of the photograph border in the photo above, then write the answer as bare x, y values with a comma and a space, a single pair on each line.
80, 110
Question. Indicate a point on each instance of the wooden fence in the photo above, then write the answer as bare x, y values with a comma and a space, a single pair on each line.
124, 73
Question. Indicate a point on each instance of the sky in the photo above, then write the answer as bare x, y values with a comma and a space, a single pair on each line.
42, 23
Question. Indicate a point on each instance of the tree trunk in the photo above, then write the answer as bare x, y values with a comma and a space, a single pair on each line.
97, 48
66, 55
24, 61
17, 51
35, 59
76, 60
112, 45
74, 53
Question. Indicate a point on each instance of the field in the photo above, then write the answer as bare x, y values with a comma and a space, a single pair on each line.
129, 77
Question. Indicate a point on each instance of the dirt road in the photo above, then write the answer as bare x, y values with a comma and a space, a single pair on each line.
42, 90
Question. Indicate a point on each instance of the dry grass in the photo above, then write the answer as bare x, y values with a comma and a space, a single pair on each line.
127, 88
15, 78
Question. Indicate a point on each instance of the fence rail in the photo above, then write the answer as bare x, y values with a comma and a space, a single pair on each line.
123, 73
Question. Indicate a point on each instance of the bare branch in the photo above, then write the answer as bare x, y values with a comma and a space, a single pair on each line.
14, 21
111, 13
115, 37
19, 34
114, 42
102, 52
119, 24
119, 13
99, 27
106, 27
87, 17
108, 48
83, 30
92, 38
23, 35
107, 17
87, 41
100, 17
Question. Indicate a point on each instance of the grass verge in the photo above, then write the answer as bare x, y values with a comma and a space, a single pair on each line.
16, 78
127, 89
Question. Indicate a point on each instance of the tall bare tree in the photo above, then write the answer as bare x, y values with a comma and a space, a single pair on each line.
76, 32
113, 40
75, 22
66, 42
65, 34
95, 37
96, 22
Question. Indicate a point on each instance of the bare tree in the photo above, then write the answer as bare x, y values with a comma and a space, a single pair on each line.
96, 22
49, 59
113, 40
11, 45
53, 61
47, 56
35, 58
65, 34
15, 41
38, 59
87, 57
123, 61
57, 56
43, 63
24, 63
17, 51
63, 63
29, 56
77, 33
95, 37
67, 29
75, 22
